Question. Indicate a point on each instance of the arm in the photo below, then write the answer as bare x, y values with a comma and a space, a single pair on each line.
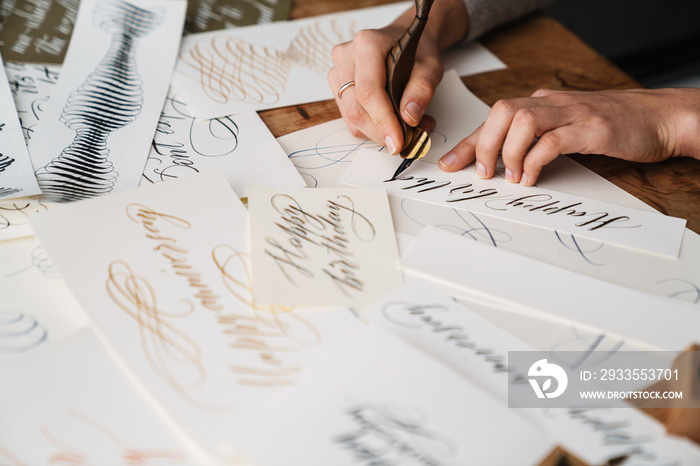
365, 107
640, 125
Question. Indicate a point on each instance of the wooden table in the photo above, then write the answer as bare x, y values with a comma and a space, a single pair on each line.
540, 53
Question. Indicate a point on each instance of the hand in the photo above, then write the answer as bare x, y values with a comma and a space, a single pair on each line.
365, 107
638, 125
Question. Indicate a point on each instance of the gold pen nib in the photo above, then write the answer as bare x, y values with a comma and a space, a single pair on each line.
416, 146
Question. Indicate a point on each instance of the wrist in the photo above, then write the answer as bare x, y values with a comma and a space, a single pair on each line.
686, 123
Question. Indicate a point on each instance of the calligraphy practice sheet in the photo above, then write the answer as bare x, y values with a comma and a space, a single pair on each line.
241, 147
588, 218
678, 279
16, 172
227, 72
210, 15
71, 402
31, 85
385, 403
545, 289
36, 308
479, 351
322, 153
96, 131
322, 247
14, 216
37, 32
163, 272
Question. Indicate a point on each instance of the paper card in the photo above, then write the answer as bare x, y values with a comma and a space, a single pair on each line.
14, 216
553, 291
37, 31
36, 307
31, 85
96, 131
163, 272
240, 146
322, 247
678, 279
378, 401
209, 15
322, 153
71, 404
561, 212
265, 66
479, 351
16, 172
284, 63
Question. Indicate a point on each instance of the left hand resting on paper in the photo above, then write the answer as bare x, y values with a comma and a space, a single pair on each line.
638, 125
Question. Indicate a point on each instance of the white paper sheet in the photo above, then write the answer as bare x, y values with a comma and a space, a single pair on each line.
677, 279
240, 146
14, 216
322, 247
322, 153
36, 308
548, 290
479, 351
16, 172
73, 141
164, 274
71, 404
377, 401
561, 212
220, 73
31, 86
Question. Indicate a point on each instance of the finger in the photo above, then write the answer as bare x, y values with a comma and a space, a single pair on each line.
425, 78
462, 155
527, 124
370, 81
427, 123
495, 130
562, 140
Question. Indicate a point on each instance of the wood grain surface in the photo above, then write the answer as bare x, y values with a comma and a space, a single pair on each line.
540, 53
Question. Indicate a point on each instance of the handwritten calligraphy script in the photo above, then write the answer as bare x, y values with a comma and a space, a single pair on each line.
537, 203
177, 255
304, 240
391, 434
182, 141
329, 231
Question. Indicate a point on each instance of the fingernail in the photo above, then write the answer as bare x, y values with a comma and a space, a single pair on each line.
523, 180
480, 170
414, 112
448, 160
390, 144
509, 175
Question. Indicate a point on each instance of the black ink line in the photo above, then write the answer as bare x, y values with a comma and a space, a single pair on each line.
109, 99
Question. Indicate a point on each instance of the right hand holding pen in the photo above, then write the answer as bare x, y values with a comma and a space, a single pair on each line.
366, 107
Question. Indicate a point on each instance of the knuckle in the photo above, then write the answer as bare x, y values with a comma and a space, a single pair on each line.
365, 93
339, 52
354, 113
525, 117
541, 92
550, 142
356, 132
423, 87
504, 106
364, 37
